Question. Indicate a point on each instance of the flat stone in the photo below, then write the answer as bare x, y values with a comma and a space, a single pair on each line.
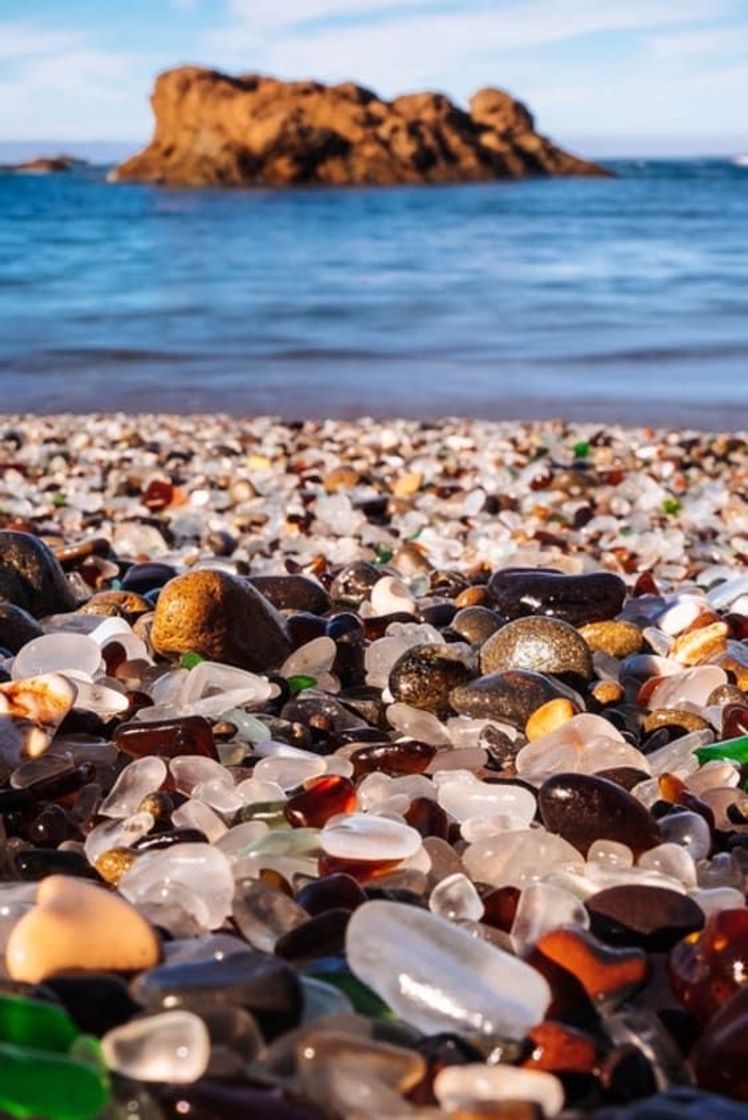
31, 576
593, 597
222, 618
76, 925
544, 645
512, 696
651, 917
584, 808
424, 676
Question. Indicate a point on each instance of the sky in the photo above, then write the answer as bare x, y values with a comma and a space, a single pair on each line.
629, 77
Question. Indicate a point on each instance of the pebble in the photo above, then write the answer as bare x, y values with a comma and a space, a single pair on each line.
654, 917
442, 978
424, 676
559, 853
616, 638
75, 924
31, 577
584, 808
220, 617
173, 1047
544, 645
512, 696
578, 599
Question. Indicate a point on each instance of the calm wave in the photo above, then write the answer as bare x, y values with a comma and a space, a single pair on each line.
609, 299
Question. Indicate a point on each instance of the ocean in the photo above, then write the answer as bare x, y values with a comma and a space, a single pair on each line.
620, 299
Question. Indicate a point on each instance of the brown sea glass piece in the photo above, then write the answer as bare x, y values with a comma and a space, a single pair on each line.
411, 757
427, 817
362, 870
708, 967
167, 738
720, 1058
320, 799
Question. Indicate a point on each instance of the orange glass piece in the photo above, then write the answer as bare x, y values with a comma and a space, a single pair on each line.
320, 799
671, 787
362, 870
601, 970
708, 967
558, 1048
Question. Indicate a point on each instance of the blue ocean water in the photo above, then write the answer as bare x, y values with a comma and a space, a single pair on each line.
619, 299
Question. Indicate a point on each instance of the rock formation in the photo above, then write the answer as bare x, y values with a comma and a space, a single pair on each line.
216, 130
44, 165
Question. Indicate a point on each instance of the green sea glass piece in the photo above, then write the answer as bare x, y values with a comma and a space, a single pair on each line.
734, 749
297, 684
35, 1023
39, 1084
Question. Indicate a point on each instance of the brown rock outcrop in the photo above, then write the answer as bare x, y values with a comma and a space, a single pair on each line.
216, 130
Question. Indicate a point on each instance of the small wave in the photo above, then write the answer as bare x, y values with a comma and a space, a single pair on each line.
634, 355
741, 161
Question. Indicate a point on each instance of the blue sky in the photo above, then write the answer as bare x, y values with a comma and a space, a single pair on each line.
628, 76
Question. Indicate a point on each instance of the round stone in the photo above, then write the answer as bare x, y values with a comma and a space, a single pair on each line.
511, 696
31, 577
222, 618
592, 597
584, 808
293, 592
353, 583
424, 676
475, 624
544, 645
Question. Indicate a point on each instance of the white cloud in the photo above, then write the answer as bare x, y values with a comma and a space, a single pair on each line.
416, 45
20, 40
701, 41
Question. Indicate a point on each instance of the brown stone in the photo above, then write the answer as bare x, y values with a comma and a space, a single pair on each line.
220, 617
674, 717
651, 917
216, 130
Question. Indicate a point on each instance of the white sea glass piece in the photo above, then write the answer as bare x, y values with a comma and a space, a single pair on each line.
172, 1047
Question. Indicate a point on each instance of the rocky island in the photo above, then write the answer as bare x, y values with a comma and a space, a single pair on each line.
215, 130
43, 165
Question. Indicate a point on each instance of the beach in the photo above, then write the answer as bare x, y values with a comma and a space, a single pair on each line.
397, 753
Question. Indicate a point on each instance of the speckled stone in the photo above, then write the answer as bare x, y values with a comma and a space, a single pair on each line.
583, 808
31, 577
476, 624
220, 617
511, 696
544, 645
117, 604
293, 592
424, 676
618, 639
592, 597
17, 627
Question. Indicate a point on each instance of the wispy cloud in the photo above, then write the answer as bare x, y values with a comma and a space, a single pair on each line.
699, 41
